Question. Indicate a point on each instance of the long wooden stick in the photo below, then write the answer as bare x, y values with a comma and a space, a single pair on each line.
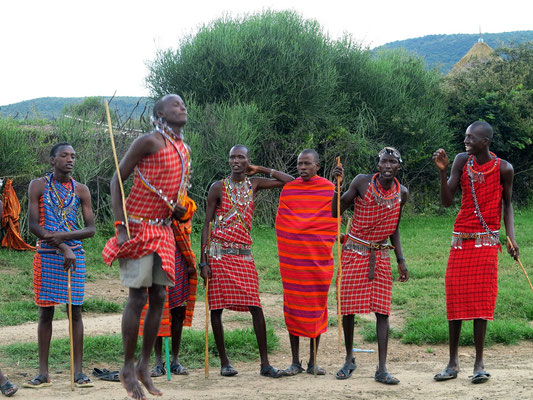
69, 290
315, 367
117, 168
206, 366
339, 266
520, 263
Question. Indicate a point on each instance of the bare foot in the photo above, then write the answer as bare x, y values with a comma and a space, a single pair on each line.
131, 384
145, 377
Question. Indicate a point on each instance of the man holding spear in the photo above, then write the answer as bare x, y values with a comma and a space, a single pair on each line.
366, 283
54, 202
230, 269
161, 162
472, 273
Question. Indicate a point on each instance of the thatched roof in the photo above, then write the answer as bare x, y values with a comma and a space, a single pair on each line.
481, 51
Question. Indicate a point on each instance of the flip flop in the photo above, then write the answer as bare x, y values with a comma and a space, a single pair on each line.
228, 370
319, 370
82, 381
445, 375
106, 375
271, 372
347, 369
294, 369
38, 382
386, 378
8, 389
480, 377
178, 369
158, 370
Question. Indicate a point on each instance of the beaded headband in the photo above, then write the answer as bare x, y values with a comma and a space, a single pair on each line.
390, 151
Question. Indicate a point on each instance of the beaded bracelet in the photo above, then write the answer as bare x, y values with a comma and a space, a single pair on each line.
272, 170
117, 223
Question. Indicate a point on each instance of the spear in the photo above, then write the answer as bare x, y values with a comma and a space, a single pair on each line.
206, 366
69, 290
520, 263
339, 267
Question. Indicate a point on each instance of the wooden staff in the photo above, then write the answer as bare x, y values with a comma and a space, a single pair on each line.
339, 267
315, 367
206, 366
117, 168
520, 262
69, 290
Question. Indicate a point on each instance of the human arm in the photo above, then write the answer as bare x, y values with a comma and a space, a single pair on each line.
214, 198
278, 178
507, 175
448, 187
396, 242
348, 197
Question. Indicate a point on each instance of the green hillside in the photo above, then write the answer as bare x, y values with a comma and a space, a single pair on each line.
52, 107
443, 51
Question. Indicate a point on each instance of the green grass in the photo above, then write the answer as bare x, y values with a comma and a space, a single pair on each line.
241, 345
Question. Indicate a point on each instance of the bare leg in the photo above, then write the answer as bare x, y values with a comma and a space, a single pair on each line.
480, 329
348, 326
218, 333
382, 329
312, 351
454, 330
260, 334
156, 298
44, 335
130, 330
158, 350
295, 348
178, 316
77, 333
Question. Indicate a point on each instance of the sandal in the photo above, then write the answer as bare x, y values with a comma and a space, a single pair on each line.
445, 375
386, 378
178, 369
481, 377
158, 370
82, 381
8, 389
106, 375
271, 372
228, 370
38, 382
347, 369
294, 369
319, 370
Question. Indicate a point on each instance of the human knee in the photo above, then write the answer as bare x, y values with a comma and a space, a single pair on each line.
157, 295
46, 314
76, 313
255, 311
137, 298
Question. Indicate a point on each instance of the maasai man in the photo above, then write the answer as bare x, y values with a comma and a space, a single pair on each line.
366, 280
233, 279
54, 201
160, 160
306, 233
472, 273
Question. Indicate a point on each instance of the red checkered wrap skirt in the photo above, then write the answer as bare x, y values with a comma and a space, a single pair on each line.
472, 282
359, 295
234, 284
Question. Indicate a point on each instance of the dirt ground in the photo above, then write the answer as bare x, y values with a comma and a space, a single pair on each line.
415, 366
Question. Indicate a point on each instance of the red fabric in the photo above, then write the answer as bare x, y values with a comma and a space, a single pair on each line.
306, 233
234, 283
163, 171
472, 272
10, 220
373, 223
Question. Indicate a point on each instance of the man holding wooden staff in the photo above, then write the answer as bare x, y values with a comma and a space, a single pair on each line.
54, 202
472, 272
230, 268
366, 283
306, 233
161, 162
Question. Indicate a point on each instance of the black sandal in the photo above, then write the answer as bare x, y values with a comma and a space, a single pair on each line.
158, 370
319, 370
386, 378
271, 372
8, 389
347, 369
82, 381
294, 369
38, 382
178, 369
228, 370
106, 375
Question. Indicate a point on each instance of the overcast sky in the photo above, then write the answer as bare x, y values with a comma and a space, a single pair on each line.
70, 48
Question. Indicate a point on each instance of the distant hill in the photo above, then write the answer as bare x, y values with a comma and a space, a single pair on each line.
443, 51
52, 107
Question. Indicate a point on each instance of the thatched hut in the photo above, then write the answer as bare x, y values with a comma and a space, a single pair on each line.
480, 52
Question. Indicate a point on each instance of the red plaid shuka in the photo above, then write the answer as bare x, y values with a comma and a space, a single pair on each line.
372, 223
472, 272
234, 283
163, 171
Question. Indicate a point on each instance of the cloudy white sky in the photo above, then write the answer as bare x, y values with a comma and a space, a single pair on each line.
70, 48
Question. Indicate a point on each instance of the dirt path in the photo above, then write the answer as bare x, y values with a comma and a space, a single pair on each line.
510, 367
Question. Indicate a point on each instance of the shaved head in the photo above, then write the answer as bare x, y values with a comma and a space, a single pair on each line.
313, 153
483, 128
160, 104
241, 147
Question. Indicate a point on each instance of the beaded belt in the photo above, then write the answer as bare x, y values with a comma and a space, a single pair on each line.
40, 250
156, 222
363, 247
481, 238
216, 249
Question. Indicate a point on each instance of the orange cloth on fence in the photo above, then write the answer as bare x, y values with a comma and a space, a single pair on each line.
10, 220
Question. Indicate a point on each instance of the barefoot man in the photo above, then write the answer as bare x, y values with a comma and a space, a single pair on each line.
306, 233
54, 202
233, 279
160, 162
366, 280
472, 273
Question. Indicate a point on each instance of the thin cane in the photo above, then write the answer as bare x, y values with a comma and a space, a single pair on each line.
117, 168
520, 262
206, 366
69, 290
339, 267
315, 368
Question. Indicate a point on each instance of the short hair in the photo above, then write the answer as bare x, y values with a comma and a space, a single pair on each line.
390, 151
55, 148
313, 153
160, 104
484, 127
241, 146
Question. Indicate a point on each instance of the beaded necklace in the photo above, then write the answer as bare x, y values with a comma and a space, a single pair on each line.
477, 176
60, 206
381, 200
240, 193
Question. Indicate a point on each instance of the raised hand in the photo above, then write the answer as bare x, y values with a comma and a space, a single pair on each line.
440, 158
252, 170
338, 171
